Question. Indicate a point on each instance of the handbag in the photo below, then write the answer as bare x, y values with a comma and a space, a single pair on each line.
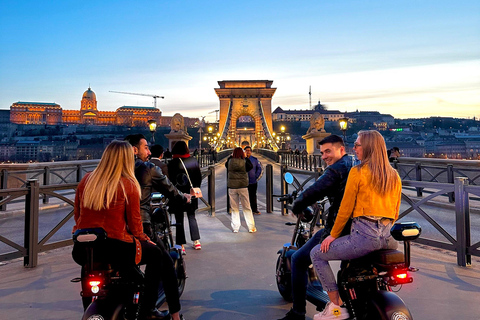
194, 192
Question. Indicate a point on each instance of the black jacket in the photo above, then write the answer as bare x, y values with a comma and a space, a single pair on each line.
330, 184
151, 179
177, 175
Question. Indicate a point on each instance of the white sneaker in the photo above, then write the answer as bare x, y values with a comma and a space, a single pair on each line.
332, 311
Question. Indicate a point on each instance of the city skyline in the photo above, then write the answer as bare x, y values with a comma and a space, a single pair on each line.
410, 59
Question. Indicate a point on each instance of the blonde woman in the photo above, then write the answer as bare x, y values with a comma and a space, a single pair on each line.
372, 198
109, 198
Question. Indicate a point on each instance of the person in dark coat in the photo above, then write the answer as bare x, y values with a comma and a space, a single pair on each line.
179, 177
253, 176
157, 158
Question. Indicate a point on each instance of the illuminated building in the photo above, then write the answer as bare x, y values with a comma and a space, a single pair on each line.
53, 114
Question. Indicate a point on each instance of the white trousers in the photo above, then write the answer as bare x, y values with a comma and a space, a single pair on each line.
237, 196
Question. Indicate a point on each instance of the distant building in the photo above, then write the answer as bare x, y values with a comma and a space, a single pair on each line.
472, 147
380, 121
53, 114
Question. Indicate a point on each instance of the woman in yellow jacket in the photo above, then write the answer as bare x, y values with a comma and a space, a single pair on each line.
372, 198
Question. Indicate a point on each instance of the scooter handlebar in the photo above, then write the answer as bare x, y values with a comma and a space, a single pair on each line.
288, 197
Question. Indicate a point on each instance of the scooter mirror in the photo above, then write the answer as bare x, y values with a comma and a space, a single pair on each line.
288, 177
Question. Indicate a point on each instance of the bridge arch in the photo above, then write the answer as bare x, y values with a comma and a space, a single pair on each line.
245, 98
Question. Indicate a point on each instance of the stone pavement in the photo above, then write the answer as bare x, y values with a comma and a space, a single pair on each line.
233, 277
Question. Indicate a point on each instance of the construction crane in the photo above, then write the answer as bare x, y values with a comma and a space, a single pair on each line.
216, 114
154, 96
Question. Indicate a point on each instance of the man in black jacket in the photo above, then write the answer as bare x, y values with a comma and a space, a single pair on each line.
330, 184
151, 178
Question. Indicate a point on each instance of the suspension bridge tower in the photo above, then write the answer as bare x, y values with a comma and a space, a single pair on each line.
240, 98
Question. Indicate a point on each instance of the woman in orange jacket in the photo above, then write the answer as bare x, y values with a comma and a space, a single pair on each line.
372, 199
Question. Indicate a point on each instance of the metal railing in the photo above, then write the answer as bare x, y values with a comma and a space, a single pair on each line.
31, 192
55, 173
464, 194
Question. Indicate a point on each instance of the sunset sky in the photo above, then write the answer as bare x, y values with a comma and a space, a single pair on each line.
406, 58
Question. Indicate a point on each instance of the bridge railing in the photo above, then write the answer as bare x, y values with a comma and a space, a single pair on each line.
30, 193
465, 195
55, 173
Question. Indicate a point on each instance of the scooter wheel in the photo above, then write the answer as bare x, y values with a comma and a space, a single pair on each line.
284, 279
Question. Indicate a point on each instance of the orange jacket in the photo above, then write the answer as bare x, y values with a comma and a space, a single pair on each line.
360, 200
115, 220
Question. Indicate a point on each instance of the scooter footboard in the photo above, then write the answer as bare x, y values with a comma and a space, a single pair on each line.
386, 305
104, 309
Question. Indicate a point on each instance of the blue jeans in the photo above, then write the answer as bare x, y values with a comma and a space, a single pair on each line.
365, 236
300, 263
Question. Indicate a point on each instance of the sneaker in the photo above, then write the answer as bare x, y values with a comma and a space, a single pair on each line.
235, 231
333, 312
292, 315
253, 230
257, 213
183, 250
197, 245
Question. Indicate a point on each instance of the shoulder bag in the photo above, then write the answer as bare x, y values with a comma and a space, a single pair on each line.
194, 192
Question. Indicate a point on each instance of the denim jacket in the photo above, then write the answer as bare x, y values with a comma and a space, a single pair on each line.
330, 184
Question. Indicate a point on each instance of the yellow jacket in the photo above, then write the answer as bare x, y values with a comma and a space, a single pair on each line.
360, 200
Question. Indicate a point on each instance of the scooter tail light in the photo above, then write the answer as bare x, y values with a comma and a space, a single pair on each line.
94, 286
401, 275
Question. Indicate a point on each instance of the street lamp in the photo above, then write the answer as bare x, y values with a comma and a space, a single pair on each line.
152, 126
343, 126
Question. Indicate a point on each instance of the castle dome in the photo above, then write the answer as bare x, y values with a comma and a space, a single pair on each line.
89, 94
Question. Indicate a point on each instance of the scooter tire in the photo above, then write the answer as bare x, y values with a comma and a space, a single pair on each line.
104, 309
284, 281
386, 305
180, 269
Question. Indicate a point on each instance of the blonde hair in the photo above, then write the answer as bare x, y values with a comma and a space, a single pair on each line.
383, 177
118, 161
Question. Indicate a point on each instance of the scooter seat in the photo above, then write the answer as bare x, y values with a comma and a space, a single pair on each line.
387, 257
384, 257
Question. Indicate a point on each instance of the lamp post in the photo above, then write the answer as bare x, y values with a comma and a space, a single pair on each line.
343, 126
282, 129
200, 130
152, 126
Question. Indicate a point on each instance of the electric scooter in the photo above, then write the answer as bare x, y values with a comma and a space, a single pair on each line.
108, 293
365, 284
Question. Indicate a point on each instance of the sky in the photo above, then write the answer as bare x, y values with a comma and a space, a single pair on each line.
404, 58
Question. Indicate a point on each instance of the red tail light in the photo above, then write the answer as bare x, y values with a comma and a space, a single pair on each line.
401, 275
94, 286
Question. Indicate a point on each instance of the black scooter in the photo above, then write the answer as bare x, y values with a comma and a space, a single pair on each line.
113, 294
365, 284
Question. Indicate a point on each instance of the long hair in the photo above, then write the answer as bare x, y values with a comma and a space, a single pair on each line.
383, 176
117, 161
238, 153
